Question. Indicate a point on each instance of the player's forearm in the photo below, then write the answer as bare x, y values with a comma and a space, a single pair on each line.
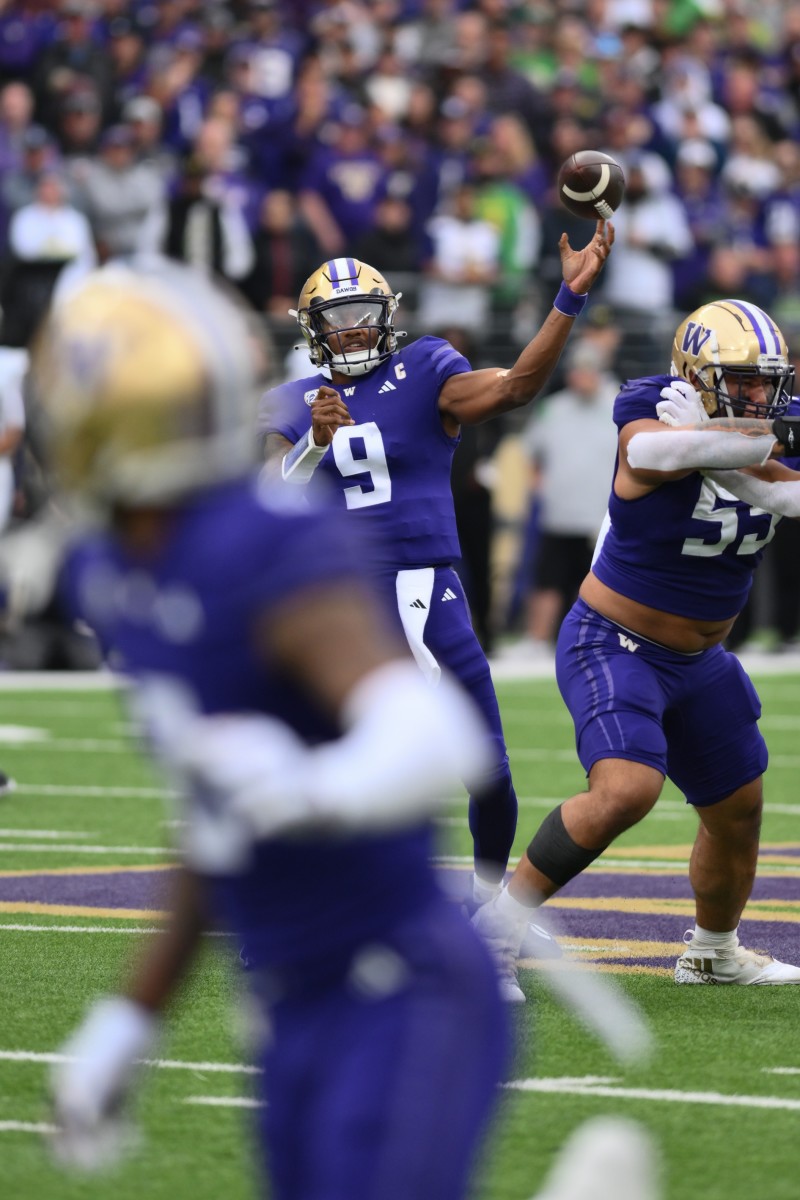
157, 975
537, 361
781, 497
721, 444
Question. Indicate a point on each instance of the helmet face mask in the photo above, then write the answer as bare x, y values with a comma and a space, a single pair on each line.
737, 358
346, 312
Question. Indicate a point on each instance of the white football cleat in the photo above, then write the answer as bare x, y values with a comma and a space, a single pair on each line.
698, 964
499, 937
538, 943
606, 1158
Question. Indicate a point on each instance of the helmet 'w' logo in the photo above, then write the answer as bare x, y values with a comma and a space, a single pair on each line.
694, 338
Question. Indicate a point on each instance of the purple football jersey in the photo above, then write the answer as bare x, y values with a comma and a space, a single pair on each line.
391, 470
689, 547
183, 615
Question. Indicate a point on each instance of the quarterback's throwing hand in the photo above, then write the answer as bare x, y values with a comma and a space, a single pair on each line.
580, 268
680, 404
328, 413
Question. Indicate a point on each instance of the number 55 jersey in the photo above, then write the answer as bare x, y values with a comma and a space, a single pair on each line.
391, 469
689, 547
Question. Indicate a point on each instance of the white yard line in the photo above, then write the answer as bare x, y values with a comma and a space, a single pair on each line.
103, 793
163, 1064
58, 847
27, 1127
20, 928
55, 834
225, 1101
573, 1087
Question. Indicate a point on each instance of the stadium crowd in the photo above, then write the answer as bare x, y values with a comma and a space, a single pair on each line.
257, 138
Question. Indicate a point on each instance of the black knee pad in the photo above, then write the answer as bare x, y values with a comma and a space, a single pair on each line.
554, 853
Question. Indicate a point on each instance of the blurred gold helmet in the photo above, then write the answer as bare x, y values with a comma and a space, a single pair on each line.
344, 295
145, 378
729, 340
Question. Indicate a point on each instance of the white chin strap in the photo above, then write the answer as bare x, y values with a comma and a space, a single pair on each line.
357, 363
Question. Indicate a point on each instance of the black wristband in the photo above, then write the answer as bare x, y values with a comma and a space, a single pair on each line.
787, 431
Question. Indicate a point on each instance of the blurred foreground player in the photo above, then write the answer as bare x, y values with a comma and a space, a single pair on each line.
308, 752
640, 660
380, 426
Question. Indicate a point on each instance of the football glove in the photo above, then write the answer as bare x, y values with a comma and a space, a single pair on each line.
680, 404
89, 1088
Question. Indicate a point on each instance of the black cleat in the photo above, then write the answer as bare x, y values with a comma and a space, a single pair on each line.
6, 785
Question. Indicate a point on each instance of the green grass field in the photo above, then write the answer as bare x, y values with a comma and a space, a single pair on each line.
722, 1093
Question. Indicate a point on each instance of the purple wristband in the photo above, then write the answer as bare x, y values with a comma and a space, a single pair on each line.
568, 302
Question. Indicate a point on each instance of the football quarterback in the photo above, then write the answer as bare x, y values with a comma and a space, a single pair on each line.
379, 425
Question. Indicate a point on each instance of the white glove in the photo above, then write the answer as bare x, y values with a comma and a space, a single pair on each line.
89, 1089
253, 764
680, 404
30, 559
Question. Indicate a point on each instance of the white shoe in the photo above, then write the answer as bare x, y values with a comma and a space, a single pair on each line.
606, 1158
499, 937
701, 965
538, 943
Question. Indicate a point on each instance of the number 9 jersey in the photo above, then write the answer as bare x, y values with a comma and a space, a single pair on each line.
391, 469
689, 547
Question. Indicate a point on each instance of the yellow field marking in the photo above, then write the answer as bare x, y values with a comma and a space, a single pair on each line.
81, 910
125, 869
757, 910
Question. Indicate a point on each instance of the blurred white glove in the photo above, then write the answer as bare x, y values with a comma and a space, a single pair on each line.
30, 559
680, 404
90, 1088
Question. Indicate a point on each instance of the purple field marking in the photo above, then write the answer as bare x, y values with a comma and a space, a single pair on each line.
144, 890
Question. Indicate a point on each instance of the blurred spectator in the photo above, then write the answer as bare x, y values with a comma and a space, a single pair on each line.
741, 262
503, 204
394, 239
508, 90
697, 187
471, 481
206, 228
388, 88
13, 368
568, 517
24, 32
78, 121
686, 108
16, 110
43, 237
143, 116
123, 198
464, 266
652, 231
126, 50
75, 54
341, 185
18, 184
285, 255
455, 134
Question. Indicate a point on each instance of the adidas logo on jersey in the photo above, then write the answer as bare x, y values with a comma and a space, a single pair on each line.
417, 604
449, 594
387, 387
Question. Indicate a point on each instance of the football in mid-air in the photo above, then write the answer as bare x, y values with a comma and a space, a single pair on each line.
591, 184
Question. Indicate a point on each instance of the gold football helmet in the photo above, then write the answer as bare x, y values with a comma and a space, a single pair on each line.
342, 296
145, 377
727, 341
